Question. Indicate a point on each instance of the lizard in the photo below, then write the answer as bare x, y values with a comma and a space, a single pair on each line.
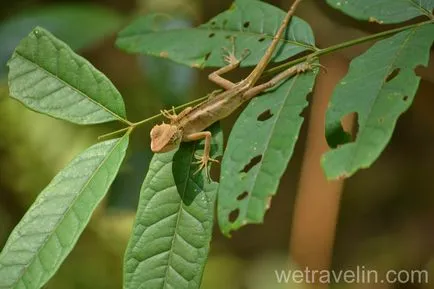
190, 123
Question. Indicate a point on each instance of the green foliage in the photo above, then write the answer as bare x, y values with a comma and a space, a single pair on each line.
202, 46
52, 225
79, 25
258, 150
48, 77
379, 86
172, 232
385, 11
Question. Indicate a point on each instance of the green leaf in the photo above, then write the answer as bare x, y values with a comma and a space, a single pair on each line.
79, 25
50, 228
379, 87
258, 150
172, 232
253, 24
48, 77
384, 11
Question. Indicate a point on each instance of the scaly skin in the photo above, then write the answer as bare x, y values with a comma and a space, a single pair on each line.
189, 124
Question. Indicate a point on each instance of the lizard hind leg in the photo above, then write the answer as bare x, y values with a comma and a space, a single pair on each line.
276, 80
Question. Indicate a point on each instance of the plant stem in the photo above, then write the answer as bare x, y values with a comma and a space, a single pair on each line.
281, 67
131, 126
343, 45
113, 133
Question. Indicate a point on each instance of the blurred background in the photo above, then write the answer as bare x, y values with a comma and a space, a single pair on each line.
385, 213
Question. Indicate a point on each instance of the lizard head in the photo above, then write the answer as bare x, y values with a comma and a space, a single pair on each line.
165, 137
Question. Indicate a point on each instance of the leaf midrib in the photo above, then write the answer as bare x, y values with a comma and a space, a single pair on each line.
268, 140
36, 255
421, 9
240, 32
389, 69
179, 210
70, 86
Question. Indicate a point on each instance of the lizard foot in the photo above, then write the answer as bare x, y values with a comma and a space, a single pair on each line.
169, 114
229, 54
203, 161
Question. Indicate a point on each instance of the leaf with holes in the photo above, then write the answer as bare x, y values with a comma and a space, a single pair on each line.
172, 232
384, 11
258, 150
48, 77
252, 23
79, 25
379, 87
50, 228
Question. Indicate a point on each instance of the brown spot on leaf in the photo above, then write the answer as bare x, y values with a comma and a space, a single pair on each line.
342, 176
375, 20
164, 54
268, 204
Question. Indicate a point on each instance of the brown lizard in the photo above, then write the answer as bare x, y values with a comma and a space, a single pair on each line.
189, 124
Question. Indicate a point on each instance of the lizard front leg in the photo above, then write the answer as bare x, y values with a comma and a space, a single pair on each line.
205, 158
232, 63
171, 115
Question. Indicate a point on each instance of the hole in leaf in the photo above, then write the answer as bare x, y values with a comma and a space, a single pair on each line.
253, 162
228, 36
265, 115
211, 35
261, 39
246, 24
420, 69
350, 124
233, 216
243, 196
393, 74
224, 22
207, 56
215, 169
213, 23
405, 98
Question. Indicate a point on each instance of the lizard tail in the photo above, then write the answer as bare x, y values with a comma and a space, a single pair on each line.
260, 67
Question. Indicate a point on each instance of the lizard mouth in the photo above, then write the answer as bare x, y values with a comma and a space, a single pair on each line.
161, 149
